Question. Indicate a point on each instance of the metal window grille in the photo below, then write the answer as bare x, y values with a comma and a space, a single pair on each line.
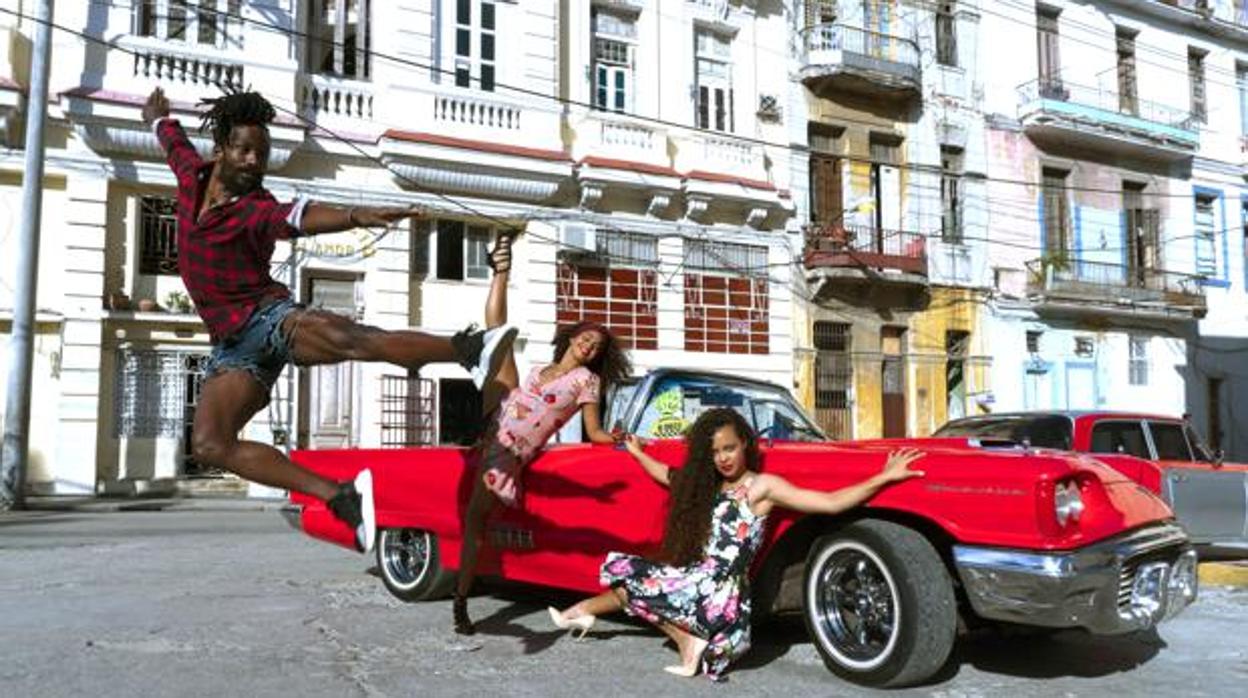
158, 235
408, 409
1138, 353
834, 377
155, 396
733, 258
628, 249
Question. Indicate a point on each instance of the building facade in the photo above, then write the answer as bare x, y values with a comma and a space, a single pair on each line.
892, 198
654, 206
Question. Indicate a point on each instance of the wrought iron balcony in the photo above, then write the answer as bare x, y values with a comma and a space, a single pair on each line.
1096, 285
865, 247
1104, 119
840, 56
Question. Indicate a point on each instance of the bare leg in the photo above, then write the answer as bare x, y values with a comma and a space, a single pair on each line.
228, 401
606, 602
496, 315
320, 337
480, 504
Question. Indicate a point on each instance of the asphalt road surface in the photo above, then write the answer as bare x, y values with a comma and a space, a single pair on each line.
223, 603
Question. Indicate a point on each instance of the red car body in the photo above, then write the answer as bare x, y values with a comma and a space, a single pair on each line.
979, 534
1164, 454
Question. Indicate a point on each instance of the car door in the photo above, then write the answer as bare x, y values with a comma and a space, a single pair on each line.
581, 502
1210, 502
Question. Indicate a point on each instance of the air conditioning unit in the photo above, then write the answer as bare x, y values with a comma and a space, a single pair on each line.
578, 239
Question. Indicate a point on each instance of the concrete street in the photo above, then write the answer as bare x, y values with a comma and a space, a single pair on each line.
220, 602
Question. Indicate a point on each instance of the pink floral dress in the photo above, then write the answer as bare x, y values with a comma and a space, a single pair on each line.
710, 598
525, 420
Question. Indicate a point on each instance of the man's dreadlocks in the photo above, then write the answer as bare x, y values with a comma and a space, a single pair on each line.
235, 109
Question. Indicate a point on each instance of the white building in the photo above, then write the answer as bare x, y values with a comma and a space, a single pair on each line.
1114, 175
627, 138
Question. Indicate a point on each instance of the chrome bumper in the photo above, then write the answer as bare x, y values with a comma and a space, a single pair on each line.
293, 513
1131, 582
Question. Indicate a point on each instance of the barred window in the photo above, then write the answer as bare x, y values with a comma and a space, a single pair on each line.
634, 249
408, 408
726, 257
834, 379
1138, 360
208, 22
158, 235
156, 392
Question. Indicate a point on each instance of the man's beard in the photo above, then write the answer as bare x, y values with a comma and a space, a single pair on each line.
238, 182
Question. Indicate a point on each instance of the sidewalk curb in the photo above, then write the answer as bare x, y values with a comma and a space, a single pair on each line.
1232, 574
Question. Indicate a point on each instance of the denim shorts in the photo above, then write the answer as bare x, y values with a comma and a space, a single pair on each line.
259, 347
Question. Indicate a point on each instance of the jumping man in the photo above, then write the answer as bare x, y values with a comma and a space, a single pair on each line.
227, 226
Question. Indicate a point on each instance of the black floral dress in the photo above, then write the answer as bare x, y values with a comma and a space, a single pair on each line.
710, 598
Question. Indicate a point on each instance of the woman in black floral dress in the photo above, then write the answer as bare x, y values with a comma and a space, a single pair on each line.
699, 596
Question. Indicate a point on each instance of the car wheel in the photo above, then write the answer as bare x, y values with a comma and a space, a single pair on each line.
879, 604
410, 566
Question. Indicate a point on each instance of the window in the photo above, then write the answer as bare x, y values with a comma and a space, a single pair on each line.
834, 378
1033, 341
1056, 213
462, 251
1043, 431
158, 235
1196, 79
1120, 437
951, 194
1128, 101
340, 37
614, 37
677, 400
946, 34
1137, 350
1170, 442
713, 89
1206, 236
820, 12
727, 305
885, 186
957, 349
207, 22
407, 411
1241, 84
459, 412
617, 289
481, 26
1143, 234
155, 395
1047, 48
1085, 347
827, 194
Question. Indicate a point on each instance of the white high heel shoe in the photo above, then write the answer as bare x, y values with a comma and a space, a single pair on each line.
582, 623
699, 648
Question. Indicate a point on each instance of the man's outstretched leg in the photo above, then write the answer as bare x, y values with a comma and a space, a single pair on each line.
227, 402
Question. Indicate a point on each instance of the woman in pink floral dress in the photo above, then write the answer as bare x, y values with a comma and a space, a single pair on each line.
699, 594
588, 359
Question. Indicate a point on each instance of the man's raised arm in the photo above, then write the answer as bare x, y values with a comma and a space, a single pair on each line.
179, 152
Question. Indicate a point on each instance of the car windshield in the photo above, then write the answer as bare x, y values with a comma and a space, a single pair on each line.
676, 401
1041, 431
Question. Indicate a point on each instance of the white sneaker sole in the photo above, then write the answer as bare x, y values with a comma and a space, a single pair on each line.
368, 511
493, 354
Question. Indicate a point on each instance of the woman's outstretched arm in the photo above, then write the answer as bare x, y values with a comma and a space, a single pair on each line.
655, 469
779, 491
593, 424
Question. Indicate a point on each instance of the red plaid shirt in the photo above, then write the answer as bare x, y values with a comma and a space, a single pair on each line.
224, 255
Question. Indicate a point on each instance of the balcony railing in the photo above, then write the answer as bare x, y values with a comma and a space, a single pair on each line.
1107, 108
836, 37
865, 246
464, 111
1117, 283
187, 68
330, 95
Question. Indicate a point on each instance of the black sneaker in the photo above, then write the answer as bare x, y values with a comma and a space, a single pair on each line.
353, 505
482, 352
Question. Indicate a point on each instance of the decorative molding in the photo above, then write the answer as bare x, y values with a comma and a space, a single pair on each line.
756, 216
472, 178
659, 201
696, 206
591, 194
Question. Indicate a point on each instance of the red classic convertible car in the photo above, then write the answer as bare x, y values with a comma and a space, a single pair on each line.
1014, 534
1208, 496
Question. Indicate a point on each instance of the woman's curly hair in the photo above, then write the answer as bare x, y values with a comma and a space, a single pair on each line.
694, 486
235, 109
611, 365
